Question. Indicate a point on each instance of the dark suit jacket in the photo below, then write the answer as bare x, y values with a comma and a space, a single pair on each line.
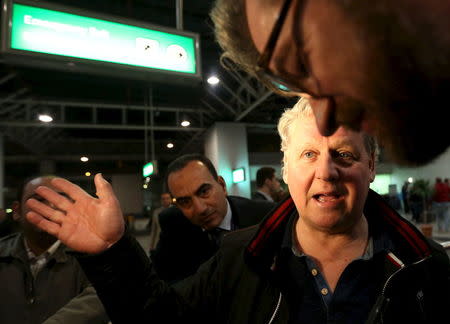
183, 247
258, 196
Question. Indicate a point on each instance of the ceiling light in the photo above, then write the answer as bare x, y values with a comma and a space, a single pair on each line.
170, 145
145, 186
87, 174
84, 159
185, 123
213, 80
410, 180
45, 118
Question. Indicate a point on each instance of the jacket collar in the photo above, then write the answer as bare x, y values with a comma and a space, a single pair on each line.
409, 243
14, 247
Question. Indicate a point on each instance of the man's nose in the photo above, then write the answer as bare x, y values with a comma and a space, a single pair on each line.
325, 113
326, 168
199, 205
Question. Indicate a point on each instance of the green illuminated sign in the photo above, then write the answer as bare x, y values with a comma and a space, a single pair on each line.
59, 33
147, 169
238, 175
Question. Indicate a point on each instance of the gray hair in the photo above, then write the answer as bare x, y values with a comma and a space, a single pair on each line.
233, 35
303, 109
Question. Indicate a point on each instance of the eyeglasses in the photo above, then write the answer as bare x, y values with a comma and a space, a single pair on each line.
287, 83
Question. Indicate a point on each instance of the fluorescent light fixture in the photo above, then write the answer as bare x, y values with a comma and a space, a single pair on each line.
87, 174
238, 175
185, 123
45, 118
170, 145
147, 169
84, 159
213, 80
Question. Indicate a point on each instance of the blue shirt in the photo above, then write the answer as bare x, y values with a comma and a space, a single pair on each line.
307, 293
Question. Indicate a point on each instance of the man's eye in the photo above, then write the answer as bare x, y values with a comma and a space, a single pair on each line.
345, 155
182, 202
309, 155
204, 192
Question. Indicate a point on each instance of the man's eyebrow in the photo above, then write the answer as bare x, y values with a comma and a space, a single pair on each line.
201, 188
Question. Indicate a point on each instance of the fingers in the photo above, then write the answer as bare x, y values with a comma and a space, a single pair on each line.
74, 191
43, 223
104, 189
46, 211
61, 202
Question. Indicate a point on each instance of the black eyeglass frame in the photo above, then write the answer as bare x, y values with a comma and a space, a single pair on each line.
264, 59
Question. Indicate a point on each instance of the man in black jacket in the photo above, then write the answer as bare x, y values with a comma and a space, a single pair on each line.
333, 252
203, 212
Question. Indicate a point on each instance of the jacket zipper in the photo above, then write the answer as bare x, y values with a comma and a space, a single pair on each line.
276, 309
385, 300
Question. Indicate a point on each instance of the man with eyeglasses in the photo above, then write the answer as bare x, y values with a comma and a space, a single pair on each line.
381, 66
191, 230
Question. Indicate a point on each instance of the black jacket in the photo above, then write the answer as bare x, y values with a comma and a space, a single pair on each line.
183, 247
240, 283
258, 196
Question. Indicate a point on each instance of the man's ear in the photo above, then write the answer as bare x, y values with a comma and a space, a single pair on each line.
16, 210
372, 167
222, 183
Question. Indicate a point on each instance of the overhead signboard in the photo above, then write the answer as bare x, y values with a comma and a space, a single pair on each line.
50, 31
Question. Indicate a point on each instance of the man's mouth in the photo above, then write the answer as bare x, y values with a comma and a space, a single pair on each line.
327, 197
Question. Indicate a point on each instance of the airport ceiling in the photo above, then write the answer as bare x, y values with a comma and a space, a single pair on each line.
103, 117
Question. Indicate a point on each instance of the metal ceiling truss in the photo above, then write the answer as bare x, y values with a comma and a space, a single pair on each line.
247, 96
25, 114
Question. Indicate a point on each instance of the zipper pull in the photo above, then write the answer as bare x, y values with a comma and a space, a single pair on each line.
376, 314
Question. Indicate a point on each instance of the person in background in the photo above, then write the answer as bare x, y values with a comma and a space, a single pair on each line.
441, 204
155, 228
363, 64
405, 197
267, 184
192, 230
40, 282
332, 252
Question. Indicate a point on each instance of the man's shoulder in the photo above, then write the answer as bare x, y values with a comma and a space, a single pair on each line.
239, 238
258, 196
8, 244
241, 201
172, 219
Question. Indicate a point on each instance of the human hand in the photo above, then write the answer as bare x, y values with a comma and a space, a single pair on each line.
82, 222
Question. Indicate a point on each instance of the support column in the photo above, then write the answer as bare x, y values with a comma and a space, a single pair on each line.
2, 173
226, 147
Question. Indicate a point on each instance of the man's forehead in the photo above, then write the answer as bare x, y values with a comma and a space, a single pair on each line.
261, 16
190, 178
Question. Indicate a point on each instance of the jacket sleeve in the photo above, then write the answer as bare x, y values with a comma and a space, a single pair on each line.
132, 293
86, 308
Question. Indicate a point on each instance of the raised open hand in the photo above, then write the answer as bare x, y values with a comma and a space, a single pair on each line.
83, 223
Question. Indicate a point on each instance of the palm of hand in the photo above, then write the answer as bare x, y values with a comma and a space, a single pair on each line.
82, 222
90, 225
